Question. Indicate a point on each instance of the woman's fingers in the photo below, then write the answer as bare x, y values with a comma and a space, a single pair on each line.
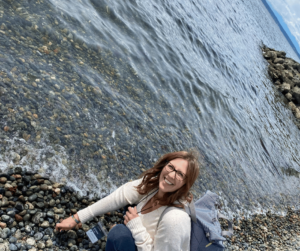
66, 224
132, 210
130, 214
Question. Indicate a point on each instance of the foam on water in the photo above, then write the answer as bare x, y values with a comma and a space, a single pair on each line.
52, 162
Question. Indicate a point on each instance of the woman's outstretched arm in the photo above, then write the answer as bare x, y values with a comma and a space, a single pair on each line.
124, 195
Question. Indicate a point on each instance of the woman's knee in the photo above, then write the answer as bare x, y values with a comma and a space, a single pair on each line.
120, 235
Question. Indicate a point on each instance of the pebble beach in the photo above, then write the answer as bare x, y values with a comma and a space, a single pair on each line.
31, 205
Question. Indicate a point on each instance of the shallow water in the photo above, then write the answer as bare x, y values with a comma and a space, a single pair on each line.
93, 92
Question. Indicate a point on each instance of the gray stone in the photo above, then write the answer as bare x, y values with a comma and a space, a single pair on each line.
289, 96
40, 204
5, 218
38, 236
45, 224
296, 81
270, 54
71, 242
32, 212
13, 247
18, 170
49, 243
296, 94
71, 234
59, 210
26, 217
12, 239
18, 234
50, 214
44, 187
4, 247
285, 88
32, 197
4, 202
41, 245
27, 229
37, 216
49, 231
30, 241
278, 60
51, 203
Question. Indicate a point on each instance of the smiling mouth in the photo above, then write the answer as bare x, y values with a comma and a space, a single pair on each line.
168, 182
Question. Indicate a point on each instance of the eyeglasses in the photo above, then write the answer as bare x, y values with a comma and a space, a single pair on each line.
178, 174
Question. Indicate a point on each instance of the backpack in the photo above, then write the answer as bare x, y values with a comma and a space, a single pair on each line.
206, 232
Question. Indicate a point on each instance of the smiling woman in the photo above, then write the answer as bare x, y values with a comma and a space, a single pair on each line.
166, 184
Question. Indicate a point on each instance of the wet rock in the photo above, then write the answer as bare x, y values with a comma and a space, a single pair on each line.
49, 243
71, 234
18, 218
278, 60
45, 224
4, 247
3, 180
296, 94
38, 236
32, 197
37, 216
5, 218
285, 88
30, 241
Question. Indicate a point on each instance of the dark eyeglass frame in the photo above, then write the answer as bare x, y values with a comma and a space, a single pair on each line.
170, 166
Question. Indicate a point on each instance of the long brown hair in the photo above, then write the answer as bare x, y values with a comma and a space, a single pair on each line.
151, 178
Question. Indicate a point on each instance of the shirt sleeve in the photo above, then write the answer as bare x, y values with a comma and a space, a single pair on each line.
173, 233
124, 195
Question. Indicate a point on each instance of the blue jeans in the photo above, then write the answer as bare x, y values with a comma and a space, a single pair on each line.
120, 239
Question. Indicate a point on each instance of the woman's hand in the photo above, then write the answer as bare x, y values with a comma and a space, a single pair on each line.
67, 224
130, 214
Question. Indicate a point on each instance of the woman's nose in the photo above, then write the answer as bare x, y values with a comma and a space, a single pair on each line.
172, 174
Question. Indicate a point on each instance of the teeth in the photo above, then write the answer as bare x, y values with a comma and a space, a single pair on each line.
168, 182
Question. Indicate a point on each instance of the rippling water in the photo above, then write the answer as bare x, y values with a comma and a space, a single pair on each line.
92, 92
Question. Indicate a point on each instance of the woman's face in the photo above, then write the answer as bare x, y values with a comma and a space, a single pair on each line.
169, 181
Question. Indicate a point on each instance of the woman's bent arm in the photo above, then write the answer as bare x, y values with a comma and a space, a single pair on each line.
173, 233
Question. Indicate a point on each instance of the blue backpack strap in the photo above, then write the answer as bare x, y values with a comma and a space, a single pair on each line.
228, 233
191, 211
167, 209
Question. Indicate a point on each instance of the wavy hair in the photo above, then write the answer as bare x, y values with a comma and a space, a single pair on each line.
151, 178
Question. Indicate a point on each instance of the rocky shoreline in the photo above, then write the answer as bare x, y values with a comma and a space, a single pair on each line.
285, 74
267, 232
31, 205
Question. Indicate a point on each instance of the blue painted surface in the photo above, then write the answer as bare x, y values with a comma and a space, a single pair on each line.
283, 27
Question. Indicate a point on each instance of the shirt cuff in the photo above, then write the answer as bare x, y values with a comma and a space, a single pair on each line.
135, 224
139, 232
85, 215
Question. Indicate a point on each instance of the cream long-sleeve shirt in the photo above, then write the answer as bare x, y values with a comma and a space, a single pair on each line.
172, 234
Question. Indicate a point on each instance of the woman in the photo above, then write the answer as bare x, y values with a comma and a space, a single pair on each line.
166, 184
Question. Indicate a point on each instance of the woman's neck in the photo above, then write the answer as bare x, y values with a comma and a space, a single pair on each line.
159, 195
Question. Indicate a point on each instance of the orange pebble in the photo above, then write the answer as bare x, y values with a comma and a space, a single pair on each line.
6, 128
